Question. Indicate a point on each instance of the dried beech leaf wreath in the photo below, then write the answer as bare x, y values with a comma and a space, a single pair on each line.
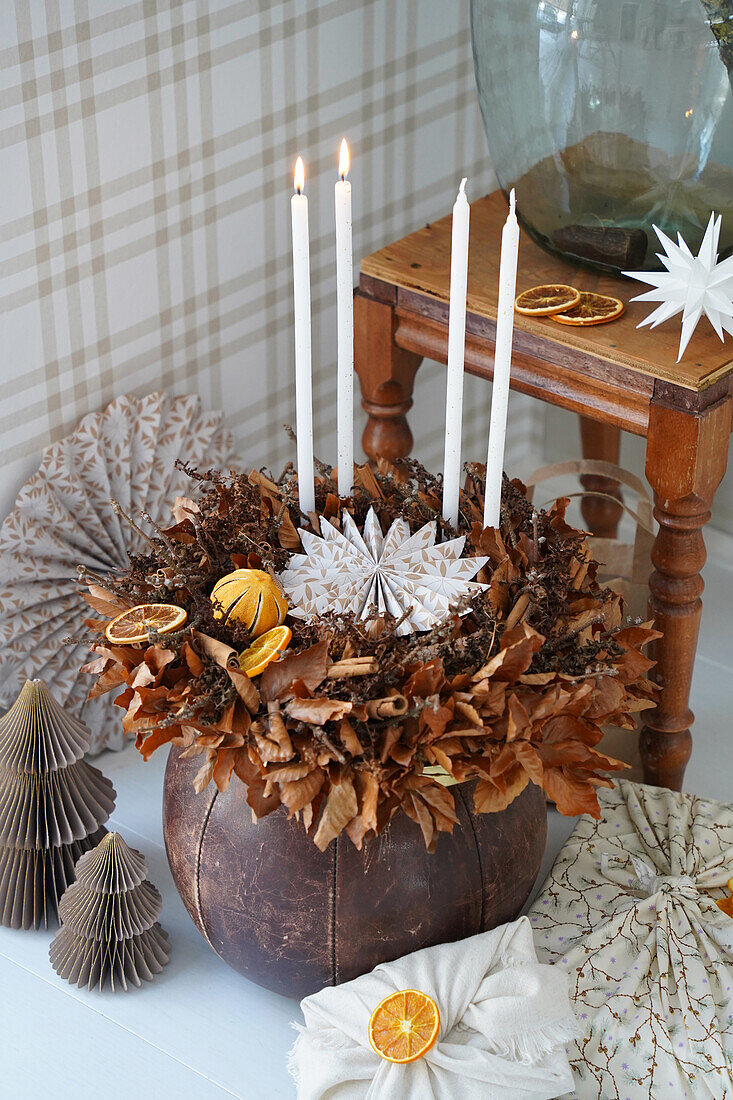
356, 720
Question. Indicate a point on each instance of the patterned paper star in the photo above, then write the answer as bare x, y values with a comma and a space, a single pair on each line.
396, 573
691, 285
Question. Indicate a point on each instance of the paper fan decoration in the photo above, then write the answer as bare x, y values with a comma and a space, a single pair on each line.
407, 576
110, 933
691, 285
53, 806
62, 519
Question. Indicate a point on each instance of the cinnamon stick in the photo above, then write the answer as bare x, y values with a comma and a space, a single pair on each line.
517, 612
352, 666
582, 569
393, 706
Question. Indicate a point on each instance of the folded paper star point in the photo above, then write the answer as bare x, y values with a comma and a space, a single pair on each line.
409, 576
691, 285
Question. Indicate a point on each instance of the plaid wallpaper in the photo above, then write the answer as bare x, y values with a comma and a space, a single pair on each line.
147, 154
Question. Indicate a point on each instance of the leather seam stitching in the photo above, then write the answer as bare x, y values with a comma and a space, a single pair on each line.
197, 895
478, 851
334, 886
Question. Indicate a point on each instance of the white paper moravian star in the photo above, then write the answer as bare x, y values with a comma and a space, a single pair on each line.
393, 573
691, 285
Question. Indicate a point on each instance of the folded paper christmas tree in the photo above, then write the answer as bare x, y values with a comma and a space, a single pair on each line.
109, 934
53, 805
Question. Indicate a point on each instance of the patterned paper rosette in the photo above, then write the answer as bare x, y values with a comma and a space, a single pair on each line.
63, 519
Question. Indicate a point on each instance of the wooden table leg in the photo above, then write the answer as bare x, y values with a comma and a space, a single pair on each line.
601, 441
686, 459
387, 374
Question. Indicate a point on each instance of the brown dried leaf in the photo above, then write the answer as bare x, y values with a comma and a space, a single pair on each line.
341, 806
489, 797
184, 508
288, 533
245, 689
309, 667
104, 601
518, 647
349, 739
298, 793
317, 711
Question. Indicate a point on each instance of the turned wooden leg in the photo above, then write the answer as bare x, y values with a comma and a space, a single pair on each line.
686, 459
601, 441
386, 374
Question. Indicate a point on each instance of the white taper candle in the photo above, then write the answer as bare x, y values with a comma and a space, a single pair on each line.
302, 323
345, 327
502, 365
456, 354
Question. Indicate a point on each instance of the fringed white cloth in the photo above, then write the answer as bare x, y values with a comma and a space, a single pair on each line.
504, 1023
629, 913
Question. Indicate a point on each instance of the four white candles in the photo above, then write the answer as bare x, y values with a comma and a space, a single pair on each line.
345, 323
502, 364
456, 353
302, 319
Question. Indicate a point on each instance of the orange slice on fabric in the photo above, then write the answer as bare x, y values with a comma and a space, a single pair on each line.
542, 301
726, 904
268, 647
592, 309
404, 1026
134, 626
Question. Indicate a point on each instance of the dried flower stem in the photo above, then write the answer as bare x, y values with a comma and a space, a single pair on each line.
122, 514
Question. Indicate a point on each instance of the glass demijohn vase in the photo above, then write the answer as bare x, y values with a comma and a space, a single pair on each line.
609, 116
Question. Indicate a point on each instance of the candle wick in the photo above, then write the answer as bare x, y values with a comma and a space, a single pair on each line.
512, 202
462, 188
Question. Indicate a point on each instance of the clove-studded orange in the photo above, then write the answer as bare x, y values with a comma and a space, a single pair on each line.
252, 597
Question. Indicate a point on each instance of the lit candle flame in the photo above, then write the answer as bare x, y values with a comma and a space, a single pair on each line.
344, 159
299, 176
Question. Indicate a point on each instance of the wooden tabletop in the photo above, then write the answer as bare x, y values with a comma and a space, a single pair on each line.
420, 263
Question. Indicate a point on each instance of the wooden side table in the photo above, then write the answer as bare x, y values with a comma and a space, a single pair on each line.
614, 376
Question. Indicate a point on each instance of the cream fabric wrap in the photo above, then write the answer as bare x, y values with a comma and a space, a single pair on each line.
504, 1020
629, 913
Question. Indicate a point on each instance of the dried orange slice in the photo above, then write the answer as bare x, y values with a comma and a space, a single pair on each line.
542, 301
592, 309
268, 647
404, 1026
134, 626
726, 904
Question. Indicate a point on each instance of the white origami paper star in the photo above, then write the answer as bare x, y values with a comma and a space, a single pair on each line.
691, 285
393, 573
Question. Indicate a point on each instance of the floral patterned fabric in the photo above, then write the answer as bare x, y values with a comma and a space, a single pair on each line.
629, 912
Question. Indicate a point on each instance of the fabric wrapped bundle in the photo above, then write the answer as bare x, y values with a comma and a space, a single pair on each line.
629, 912
504, 1022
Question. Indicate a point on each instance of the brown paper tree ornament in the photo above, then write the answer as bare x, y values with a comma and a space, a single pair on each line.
53, 805
109, 931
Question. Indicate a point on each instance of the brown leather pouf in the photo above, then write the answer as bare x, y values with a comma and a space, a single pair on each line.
294, 919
